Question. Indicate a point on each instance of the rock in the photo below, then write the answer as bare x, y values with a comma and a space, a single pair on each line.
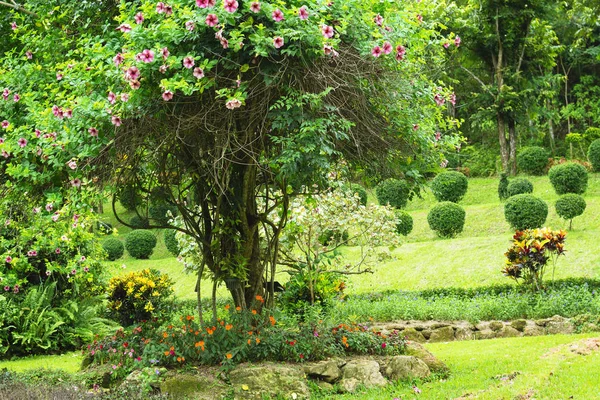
193, 386
328, 371
418, 350
464, 334
134, 378
257, 382
325, 386
482, 326
413, 334
406, 368
533, 330
519, 324
438, 325
507, 331
496, 325
485, 334
559, 325
541, 322
361, 372
426, 333
445, 334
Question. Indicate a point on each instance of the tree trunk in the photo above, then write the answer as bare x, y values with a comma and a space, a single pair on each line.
504, 152
512, 141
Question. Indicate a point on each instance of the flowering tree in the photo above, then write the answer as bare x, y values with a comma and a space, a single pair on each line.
223, 110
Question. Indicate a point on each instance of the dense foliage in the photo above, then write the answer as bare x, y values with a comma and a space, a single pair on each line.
447, 219
503, 187
393, 192
532, 160
569, 206
140, 243
358, 190
171, 241
404, 222
519, 186
525, 211
568, 178
114, 248
449, 186
594, 154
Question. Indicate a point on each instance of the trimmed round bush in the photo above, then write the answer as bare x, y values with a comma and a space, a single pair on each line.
503, 187
114, 248
140, 244
568, 178
404, 222
594, 154
519, 186
447, 219
139, 222
449, 186
171, 241
569, 206
129, 197
525, 211
355, 188
532, 160
393, 192
159, 212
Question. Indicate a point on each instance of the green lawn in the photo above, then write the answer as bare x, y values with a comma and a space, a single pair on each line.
68, 362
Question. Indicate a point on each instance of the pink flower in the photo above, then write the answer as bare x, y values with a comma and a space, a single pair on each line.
415, 127
379, 19
49, 207
116, 121
190, 25
139, 18
387, 48
439, 100
446, 45
112, 98
76, 182
416, 390
202, 3
32, 253
8, 259
161, 8
444, 164
225, 43
38, 133
230, 5
278, 42
438, 136
165, 53
118, 59
457, 41
5, 93
16, 289
327, 31
48, 273
167, 95
72, 164
73, 271
255, 6
233, 104
303, 13
212, 20
68, 113
6, 288
400, 52
22, 142
13, 26
135, 85
162, 69
36, 210
453, 99
86, 269
420, 18
124, 28
132, 73
29, 55
147, 56
5, 154
376, 52
93, 132
5, 124
1, 140
383, 345
188, 62
198, 73
277, 15
124, 97
59, 76
57, 251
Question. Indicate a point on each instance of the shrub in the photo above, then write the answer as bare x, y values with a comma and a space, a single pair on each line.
404, 222
525, 211
139, 222
519, 186
447, 219
569, 206
394, 192
296, 298
333, 237
171, 241
162, 212
532, 160
114, 248
355, 188
140, 243
568, 178
594, 154
138, 296
104, 228
503, 187
449, 186
129, 197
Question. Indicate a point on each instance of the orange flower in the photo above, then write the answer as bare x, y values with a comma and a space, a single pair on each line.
254, 312
167, 353
200, 344
197, 333
257, 340
228, 327
260, 298
222, 323
238, 308
227, 307
178, 359
210, 330
172, 348
228, 355
272, 319
189, 318
345, 341
165, 335
249, 340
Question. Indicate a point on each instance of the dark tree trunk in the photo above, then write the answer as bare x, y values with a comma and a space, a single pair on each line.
512, 141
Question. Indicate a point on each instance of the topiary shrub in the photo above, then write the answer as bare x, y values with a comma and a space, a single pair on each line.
138, 222
449, 186
569, 206
129, 197
503, 187
404, 222
162, 212
594, 154
394, 192
355, 188
568, 178
171, 241
114, 249
519, 186
525, 211
447, 219
532, 160
140, 243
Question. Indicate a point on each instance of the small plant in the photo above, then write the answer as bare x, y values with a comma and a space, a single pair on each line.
503, 187
519, 186
295, 300
139, 222
114, 248
104, 228
404, 222
532, 160
594, 154
137, 296
529, 254
394, 192
568, 178
171, 242
525, 211
570, 206
140, 244
447, 219
450, 186
357, 189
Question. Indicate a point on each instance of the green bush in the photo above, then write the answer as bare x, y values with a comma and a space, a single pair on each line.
447, 219
114, 248
129, 197
139, 222
355, 188
394, 192
594, 154
295, 299
568, 178
171, 241
449, 186
160, 212
532, 160
525, 211
519, 186
104, 227
569, 206
404, 222
140, 243
503, 187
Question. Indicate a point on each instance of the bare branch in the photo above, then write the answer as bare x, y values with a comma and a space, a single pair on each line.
19, 8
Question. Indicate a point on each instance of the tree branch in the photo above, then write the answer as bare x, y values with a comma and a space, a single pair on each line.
18, 7
483, 85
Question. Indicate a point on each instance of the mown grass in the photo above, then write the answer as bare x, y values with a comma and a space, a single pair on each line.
68, 362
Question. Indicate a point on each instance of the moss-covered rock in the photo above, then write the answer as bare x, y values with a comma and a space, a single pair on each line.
268, 379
